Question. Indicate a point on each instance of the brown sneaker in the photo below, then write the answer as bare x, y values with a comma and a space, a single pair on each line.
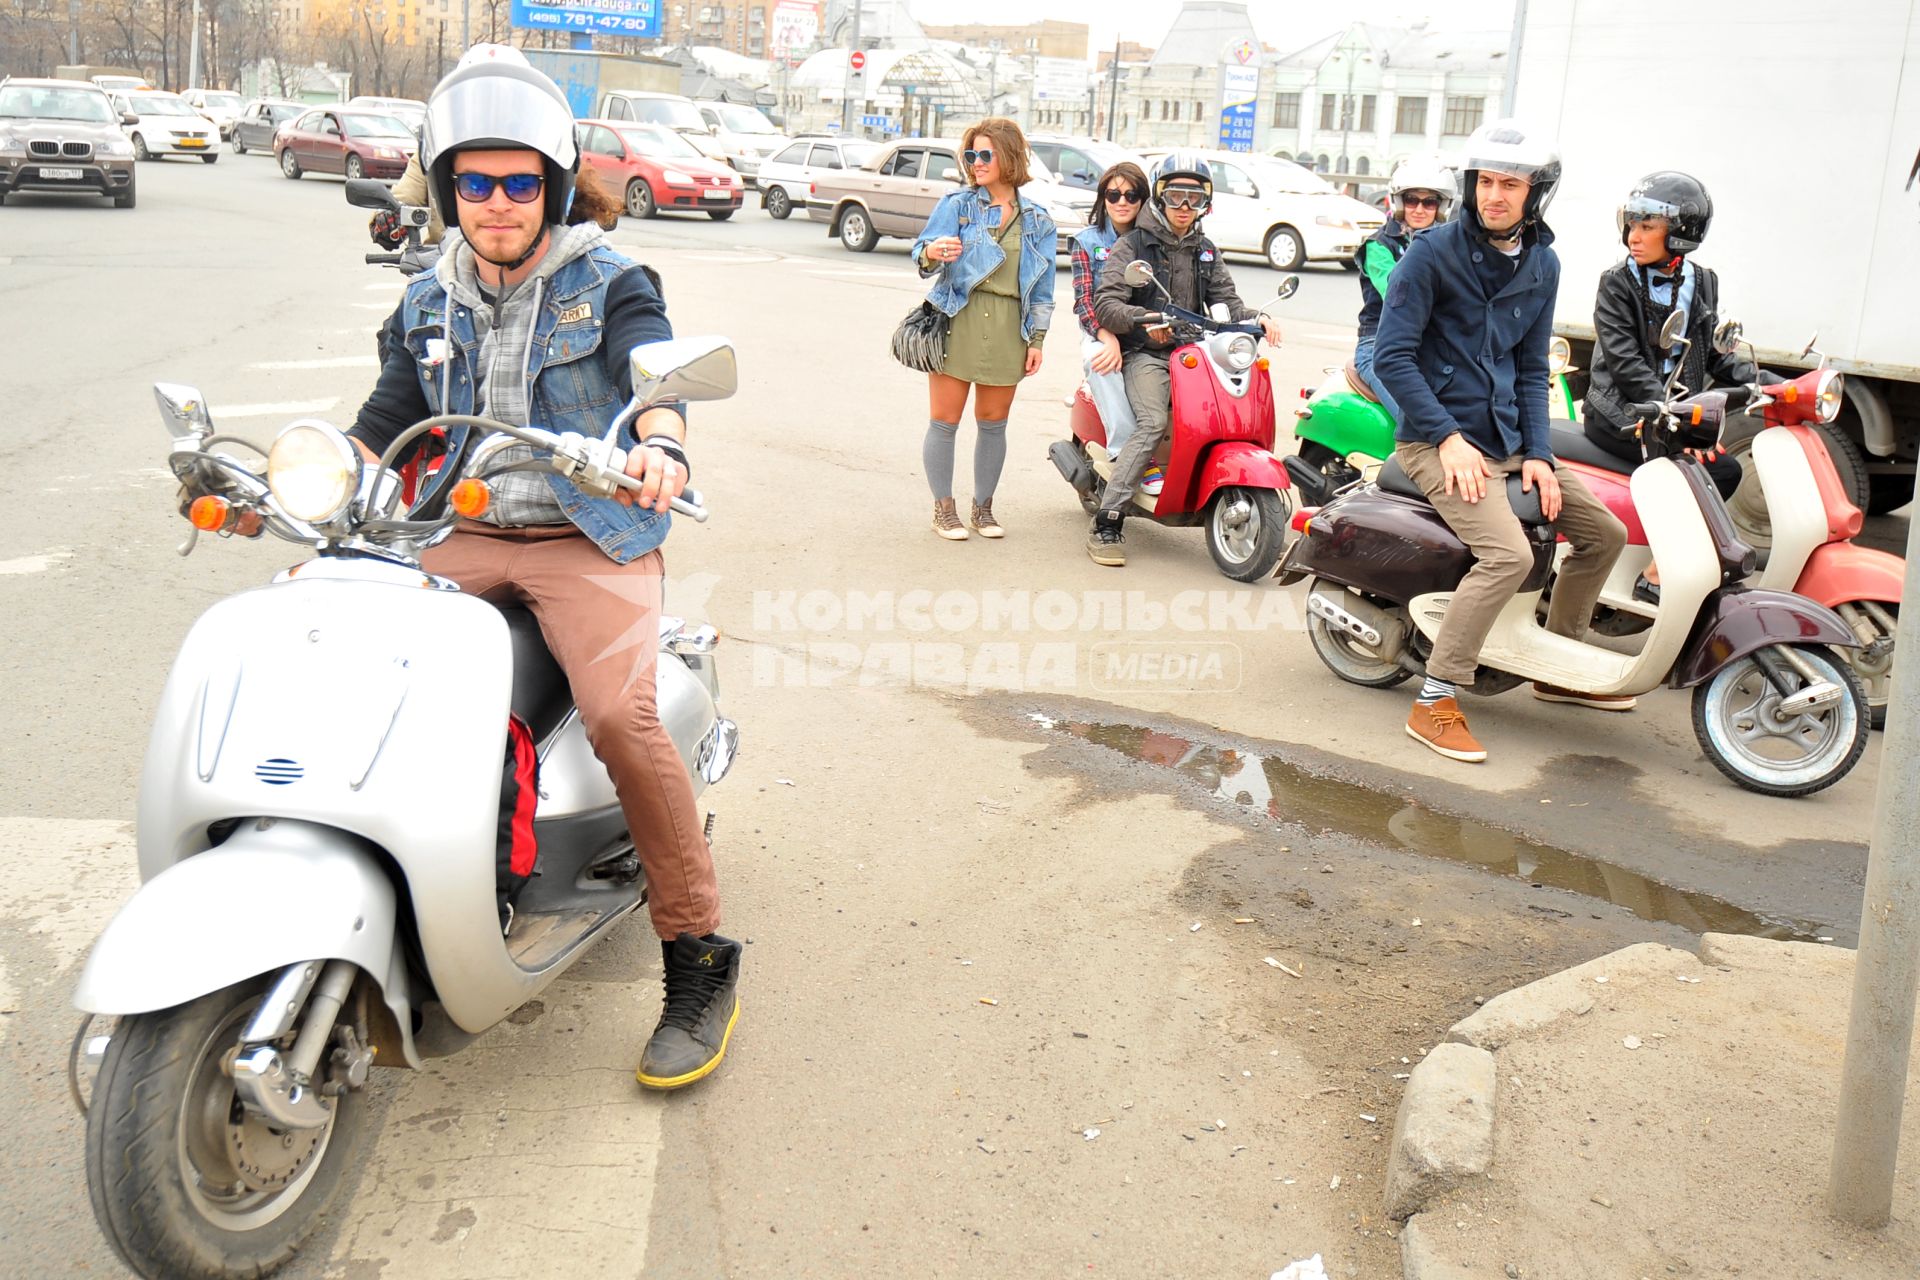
1598, 701
983, 522
1443, 726
946, 521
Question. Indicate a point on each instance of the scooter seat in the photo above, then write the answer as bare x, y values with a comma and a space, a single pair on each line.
1570, 444
541, 695
1358, 382
1525, 502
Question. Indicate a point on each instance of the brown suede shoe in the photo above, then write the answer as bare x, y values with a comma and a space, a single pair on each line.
1598, 701
946, 521
1443, 727
983, 522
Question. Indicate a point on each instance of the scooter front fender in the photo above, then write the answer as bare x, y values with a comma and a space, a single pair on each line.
1237, 463
265, 899
1737, 621
1841, 572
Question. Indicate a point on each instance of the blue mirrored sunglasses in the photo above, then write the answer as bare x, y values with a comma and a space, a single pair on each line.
983, 156
521, 188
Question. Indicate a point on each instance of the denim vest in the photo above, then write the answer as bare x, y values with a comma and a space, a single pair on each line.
1096, 241
963, 213
571, 389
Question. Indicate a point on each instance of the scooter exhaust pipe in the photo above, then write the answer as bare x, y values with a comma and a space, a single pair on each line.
1067, 456
1362, 619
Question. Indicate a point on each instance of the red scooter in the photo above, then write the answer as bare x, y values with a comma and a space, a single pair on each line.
1812, 555
1221, 471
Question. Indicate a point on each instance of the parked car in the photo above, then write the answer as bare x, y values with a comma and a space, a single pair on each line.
656, 170
217, 105
1282, 211
638, 106
359, 144
786, 176
745, 135
894, 192
1078, 162
165, 125
410, 112
261, 119
62, 135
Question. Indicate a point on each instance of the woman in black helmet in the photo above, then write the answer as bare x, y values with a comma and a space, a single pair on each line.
1663, 220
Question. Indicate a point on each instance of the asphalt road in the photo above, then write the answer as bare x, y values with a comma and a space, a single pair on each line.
928, 814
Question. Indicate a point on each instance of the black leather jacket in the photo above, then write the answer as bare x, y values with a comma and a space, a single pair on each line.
1190, 267
1625, 371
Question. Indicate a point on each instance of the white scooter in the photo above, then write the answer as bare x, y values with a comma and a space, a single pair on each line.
318, 821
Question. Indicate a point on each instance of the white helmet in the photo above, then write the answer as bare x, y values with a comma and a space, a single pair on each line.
1505, 146
494, 99
1422, 174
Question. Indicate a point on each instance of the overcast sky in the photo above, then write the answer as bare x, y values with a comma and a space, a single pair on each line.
1283, 25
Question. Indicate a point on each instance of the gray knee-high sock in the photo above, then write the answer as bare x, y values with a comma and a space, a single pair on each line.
989, 457
936, 455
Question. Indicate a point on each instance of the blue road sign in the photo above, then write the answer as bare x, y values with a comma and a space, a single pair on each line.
636, 18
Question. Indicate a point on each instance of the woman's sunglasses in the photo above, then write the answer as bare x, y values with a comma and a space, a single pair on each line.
521, 188
1422, 202
983, 156
1124, 197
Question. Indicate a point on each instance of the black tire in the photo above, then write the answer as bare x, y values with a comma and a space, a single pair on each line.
640, 201
719, 215
1888, 493
140, 151
779, 203
1850, 460
239, 147
1346, 656
1285, 250
1739, 697
355, 169
289, 163
161, 1107
1246, 543
1349, 264
210, 157
856, 229
125, 199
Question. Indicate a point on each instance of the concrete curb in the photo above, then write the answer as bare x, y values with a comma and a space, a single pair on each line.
1443, 1133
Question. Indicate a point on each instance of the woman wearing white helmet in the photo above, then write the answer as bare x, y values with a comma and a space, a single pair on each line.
1420, 194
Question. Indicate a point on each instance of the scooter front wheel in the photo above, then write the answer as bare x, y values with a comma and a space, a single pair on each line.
186, 1183
1247, 531
1740, 720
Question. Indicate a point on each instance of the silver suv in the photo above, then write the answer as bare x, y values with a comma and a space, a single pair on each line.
62, 135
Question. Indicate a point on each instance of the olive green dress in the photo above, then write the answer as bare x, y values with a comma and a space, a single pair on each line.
983, 344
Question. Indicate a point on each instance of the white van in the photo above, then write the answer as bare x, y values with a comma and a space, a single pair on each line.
668, 109
746, 135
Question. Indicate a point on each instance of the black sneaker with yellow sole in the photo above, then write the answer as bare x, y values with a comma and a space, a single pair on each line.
700, 1011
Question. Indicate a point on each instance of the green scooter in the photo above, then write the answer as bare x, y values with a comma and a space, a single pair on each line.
1345, 433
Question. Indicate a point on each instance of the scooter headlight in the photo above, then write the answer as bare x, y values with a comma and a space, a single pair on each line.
1240, 351
313, 471
1827, 400
1559, 356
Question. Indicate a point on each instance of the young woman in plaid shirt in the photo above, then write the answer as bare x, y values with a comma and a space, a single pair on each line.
1123, 189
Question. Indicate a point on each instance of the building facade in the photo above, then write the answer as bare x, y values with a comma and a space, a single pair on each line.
1045, 39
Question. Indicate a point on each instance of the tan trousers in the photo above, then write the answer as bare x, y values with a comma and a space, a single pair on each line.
601, 620
1503, 557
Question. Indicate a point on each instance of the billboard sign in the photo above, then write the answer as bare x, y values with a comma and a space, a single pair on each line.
796, 24
1059, 80
637, 18
1239, 88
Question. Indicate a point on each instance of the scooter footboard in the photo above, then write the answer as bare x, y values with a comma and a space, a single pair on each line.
265, 899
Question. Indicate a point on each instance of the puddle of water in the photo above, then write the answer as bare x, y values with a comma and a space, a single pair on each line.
1285, 793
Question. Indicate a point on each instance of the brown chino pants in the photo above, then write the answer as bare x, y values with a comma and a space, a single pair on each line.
601, 620
1503, 557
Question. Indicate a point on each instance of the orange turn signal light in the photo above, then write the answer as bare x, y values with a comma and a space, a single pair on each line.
209, 513
471, 498
1263, 364
1793, 393
1697, 415
1190, 360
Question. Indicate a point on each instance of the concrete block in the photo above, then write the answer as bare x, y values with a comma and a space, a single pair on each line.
1791, 959
1444, 1132
1420, 1260
1569, 993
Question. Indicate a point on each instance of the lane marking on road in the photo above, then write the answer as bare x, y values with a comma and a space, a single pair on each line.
370, 306
283, 409
33, 564
328, 362
386, 286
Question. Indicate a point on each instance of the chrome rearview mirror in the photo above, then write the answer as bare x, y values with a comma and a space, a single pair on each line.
1675, 326
1288, 287
183, 409
681, 370
1726, 337
1138, 272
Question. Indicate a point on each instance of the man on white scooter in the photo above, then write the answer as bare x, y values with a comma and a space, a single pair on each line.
529, 320
1462, 347
1167, 236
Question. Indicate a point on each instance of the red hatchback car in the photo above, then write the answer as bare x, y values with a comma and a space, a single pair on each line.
359, 144
655, 170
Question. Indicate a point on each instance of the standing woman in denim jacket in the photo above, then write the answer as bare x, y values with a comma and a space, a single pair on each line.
993, 250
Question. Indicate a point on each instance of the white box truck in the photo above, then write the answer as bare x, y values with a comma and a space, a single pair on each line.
1803, 121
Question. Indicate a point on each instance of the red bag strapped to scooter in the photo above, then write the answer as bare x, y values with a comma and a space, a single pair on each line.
516, 850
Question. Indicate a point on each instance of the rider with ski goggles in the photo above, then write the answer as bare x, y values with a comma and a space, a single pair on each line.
529, 320
1168, 238
1420, 194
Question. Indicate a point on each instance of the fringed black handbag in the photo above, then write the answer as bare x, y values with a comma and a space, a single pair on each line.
920, 343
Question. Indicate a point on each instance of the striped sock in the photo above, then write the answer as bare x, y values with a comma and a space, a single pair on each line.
1434, 690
